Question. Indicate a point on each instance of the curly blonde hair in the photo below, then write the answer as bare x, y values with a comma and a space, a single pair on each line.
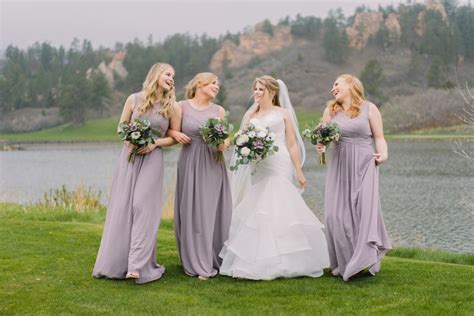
202, 79
357, 97
150, 92
271, 84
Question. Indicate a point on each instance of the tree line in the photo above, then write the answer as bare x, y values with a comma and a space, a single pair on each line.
45, 76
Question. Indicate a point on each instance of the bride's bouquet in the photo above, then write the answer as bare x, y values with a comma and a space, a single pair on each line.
138, 133
214, 132
322, 134
253, 144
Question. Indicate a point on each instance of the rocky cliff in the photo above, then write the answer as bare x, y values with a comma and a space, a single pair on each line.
368, 24
115, 66
251, 44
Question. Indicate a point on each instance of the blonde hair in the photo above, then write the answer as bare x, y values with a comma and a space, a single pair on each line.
150, 91
202, 79
271, 84
357, 97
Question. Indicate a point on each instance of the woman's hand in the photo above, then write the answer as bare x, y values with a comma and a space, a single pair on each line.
320, 148
380, 158
181, 138
130, 146
224, 146
301, 179
147, 149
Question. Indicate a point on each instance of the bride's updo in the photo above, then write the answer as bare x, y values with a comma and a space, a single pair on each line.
271, 84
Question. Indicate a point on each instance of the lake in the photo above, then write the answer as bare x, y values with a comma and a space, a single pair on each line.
426, 190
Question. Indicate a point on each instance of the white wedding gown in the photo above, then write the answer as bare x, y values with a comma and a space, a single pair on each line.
273, 232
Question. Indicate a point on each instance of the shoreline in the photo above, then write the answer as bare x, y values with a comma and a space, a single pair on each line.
389, 137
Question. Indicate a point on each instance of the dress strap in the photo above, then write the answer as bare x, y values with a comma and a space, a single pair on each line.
365, 109
135, 97
215, 108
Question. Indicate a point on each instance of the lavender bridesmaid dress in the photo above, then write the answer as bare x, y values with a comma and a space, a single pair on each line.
133, 214
356, 234
203, 204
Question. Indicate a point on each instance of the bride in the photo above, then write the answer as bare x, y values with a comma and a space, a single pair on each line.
273, 232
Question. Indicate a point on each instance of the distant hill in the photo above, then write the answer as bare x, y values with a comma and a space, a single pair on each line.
410, 59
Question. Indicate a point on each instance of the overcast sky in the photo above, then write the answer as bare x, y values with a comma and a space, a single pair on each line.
106, 22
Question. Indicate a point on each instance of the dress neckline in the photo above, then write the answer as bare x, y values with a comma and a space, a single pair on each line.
206, 108
344, 113
265, 115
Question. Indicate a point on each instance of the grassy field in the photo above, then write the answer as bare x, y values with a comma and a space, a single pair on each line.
47, 256
103, 130
98, 130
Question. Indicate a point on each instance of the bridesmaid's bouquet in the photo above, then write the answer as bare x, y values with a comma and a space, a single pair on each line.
138, 133
322, 134
253, 144
214, 132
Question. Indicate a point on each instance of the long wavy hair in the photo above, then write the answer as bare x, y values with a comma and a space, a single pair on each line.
150, 92
271, 84
357, 97
202, 79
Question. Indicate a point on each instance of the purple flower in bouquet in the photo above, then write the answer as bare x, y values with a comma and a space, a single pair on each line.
322, 134
258, 144
214, 132
138, 133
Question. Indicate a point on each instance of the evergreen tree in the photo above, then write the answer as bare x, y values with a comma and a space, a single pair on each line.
306, 27
408, 24
74, 99
436, 74
372, 77
465, 24
382, 38
334, 42
222, 96
439, 39
99, 91
267, 27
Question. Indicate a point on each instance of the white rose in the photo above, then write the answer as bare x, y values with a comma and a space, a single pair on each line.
271, 136
242, 139
252, 134
135, 135
262, 134
260, 128
245, 151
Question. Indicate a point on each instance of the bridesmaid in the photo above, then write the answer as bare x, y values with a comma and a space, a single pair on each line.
356, 234
203, 202
128, 246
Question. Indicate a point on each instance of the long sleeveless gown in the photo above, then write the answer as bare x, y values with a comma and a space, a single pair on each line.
356, 234
273, 232
203, 204
133, 214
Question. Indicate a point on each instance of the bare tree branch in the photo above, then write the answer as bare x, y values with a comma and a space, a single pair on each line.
464, 148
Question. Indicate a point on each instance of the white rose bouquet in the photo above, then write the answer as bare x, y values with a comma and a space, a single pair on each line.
253, 144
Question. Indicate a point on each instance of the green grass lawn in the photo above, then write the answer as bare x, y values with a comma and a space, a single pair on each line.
457, 132
103, 130
47, 258
98, 130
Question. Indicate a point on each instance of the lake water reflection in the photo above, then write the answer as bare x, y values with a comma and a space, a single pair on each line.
426, 190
